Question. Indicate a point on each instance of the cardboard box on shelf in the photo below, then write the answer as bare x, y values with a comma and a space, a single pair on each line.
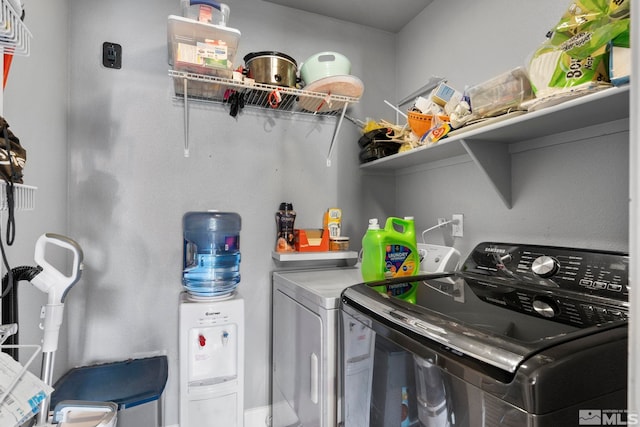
311, 240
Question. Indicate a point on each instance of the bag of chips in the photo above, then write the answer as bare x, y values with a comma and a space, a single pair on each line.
576, 52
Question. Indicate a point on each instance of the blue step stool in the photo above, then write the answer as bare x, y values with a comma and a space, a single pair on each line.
128, 384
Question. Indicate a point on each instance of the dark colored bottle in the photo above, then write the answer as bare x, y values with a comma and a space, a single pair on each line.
285, 220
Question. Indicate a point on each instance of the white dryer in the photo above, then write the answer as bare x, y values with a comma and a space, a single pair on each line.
306, 305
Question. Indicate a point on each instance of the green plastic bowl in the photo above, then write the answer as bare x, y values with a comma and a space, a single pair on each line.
324, 64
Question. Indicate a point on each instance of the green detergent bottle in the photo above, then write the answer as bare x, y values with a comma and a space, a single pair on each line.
390, 253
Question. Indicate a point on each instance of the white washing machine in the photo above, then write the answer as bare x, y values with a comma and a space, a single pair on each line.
211, 362
305, 345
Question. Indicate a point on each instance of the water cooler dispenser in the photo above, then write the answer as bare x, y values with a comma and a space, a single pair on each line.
211, 336
211, 362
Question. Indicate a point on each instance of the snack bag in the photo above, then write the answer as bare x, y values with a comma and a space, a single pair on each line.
576, 54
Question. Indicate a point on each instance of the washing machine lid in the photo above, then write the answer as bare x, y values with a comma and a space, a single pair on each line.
494, 337
499, 309
320, 288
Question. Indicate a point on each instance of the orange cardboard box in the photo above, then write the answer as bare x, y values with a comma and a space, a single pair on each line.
311, 240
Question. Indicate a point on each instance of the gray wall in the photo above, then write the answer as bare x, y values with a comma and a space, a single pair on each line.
468, 42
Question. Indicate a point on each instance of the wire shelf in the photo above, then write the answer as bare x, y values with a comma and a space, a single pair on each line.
24, 197
15, 38
188, 86
216, 89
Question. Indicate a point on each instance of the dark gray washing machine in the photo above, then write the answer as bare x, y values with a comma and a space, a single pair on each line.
520, 335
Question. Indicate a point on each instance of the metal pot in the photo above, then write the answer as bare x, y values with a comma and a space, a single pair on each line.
272, 68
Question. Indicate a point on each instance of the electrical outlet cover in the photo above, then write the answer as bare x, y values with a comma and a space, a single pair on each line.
457, 229
112, 55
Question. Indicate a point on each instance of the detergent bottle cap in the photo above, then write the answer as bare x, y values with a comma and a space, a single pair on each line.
373, 224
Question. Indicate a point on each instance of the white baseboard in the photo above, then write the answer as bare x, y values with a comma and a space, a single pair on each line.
254, 417
258, 417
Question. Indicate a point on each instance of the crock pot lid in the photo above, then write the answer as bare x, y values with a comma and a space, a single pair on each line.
253, 55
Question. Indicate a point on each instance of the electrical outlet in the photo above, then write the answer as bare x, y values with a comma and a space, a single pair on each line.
456, 225
112, 55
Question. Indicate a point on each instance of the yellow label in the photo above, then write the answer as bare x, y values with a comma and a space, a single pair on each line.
399, 261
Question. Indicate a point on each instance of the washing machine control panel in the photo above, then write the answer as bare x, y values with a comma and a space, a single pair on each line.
576, 286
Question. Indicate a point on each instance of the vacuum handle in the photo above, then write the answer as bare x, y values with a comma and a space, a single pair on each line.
53, 275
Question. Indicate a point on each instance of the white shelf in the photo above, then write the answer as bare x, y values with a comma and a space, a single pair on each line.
198, 87
216, 84
316, 259
488, 146
213, 88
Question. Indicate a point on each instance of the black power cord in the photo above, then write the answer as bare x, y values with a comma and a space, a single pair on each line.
10, 300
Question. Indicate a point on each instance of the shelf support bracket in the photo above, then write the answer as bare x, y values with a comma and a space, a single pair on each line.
335, 133
494, 161
186, 117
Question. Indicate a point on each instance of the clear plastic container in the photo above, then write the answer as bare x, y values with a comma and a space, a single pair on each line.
211, 257
210, 12
201, 48
500, 94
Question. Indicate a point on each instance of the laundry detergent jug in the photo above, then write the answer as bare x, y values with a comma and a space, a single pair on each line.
389, 253
211, 253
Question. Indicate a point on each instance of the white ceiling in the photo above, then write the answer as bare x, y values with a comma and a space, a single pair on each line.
388, 15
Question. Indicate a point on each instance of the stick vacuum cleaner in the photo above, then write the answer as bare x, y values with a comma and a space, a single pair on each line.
56, 285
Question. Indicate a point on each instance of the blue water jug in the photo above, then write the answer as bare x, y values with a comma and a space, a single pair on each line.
211, 253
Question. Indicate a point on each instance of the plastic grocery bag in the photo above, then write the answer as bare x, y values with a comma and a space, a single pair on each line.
22, 392
576, 53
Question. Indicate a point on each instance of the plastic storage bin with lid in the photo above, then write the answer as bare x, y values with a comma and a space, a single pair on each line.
202, 48
207, 11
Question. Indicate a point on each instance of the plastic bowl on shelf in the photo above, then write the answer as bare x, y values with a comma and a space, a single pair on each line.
324, 64
421, 123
